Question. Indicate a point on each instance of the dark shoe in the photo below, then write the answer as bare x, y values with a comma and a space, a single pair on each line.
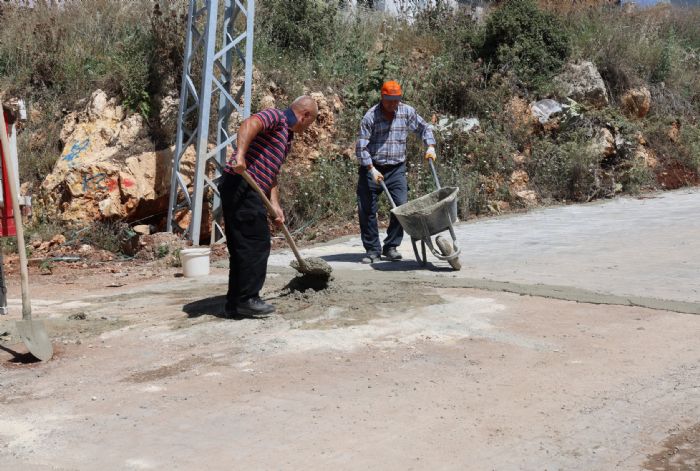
371, 258
392, 254
254, 306
232, 314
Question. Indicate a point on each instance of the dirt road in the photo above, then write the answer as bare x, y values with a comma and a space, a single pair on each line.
391, 367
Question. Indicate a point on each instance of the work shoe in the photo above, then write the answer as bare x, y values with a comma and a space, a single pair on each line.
254, 306
371, 258
392, 254
233, 314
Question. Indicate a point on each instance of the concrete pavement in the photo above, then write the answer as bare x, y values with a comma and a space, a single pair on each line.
636, 251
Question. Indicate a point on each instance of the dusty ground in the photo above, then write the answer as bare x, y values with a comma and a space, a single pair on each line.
388, 368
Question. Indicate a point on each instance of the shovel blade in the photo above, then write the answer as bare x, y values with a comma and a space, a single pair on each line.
33, 334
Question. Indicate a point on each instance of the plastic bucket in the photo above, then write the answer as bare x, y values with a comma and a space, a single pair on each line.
195, 261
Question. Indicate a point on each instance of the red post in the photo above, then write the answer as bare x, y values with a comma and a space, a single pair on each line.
7, 222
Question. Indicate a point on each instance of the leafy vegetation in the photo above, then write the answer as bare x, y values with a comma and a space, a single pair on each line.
452, 64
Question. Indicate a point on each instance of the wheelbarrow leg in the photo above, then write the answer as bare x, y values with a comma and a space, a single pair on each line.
424, 260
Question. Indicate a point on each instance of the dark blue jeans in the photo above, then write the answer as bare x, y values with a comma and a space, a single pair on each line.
367, 194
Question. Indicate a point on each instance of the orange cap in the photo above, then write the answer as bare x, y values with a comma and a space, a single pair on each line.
391, 90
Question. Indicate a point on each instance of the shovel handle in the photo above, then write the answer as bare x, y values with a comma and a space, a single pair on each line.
249, 180
22, 252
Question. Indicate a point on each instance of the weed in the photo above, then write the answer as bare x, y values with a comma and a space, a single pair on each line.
176, 260
162, 251
106, 235
46, 267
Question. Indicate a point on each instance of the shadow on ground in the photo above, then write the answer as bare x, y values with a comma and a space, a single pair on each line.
344, 257
21, 358
407, 266
213, 306
384, 265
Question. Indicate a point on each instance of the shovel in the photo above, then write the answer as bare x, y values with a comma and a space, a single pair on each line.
313, 266
33, 333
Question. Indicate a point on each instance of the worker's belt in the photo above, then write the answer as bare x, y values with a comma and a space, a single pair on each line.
386, 167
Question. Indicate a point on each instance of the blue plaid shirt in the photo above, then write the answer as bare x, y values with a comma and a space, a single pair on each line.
384, 142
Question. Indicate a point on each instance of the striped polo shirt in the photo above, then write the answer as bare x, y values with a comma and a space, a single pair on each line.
269, 149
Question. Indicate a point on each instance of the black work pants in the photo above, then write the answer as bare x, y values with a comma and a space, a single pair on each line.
247, 239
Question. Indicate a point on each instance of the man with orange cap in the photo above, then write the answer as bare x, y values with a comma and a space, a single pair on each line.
381, 151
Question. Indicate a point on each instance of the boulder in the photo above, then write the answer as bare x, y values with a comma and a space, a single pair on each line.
109, 168
637, 102
520, 189
646, 157
582, 82
603, 143
521, 115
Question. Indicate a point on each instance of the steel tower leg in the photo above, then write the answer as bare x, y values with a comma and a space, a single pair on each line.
222, 62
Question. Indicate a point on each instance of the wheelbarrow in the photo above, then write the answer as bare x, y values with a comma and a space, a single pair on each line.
428, 216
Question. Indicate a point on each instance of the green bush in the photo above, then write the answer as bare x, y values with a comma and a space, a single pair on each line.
325, 193
129, 69
565, 170
299, 26
521, 38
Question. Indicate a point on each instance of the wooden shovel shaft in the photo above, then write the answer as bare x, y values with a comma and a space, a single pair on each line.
11, 172
271, 209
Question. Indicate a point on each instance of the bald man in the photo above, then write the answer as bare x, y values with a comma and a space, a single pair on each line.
263, 142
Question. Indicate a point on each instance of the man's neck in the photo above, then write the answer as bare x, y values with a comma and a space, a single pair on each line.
388, 115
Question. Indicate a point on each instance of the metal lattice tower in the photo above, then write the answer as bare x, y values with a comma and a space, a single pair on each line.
225, 50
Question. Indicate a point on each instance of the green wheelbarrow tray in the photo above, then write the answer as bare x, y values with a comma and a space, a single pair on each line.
427, 216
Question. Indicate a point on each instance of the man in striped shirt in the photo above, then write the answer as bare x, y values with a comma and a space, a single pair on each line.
263, 142
381, 151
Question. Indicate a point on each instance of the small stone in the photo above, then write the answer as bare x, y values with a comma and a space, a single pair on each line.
142, 229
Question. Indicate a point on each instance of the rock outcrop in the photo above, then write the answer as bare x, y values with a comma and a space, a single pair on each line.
582, 82
637, 102
109, 167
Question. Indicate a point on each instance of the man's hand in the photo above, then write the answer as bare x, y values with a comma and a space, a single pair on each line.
279, 214
376, 175
240, 165
430, 153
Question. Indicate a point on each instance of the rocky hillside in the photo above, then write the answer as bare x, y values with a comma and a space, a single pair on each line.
533, 103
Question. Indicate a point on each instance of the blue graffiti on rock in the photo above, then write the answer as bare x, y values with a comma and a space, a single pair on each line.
76, 150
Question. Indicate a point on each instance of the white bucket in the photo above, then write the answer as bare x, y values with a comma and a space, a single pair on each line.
195, 261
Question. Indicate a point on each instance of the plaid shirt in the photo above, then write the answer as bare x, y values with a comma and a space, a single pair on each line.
384, 142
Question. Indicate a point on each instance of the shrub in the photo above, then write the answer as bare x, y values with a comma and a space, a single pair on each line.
106, 235
128, 69
526, 40
326, 192
566, 170
299, 26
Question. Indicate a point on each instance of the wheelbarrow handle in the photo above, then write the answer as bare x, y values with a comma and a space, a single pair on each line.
435, 177
388, 195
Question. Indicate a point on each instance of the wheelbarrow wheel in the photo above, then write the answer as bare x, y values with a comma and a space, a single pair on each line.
446, 248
